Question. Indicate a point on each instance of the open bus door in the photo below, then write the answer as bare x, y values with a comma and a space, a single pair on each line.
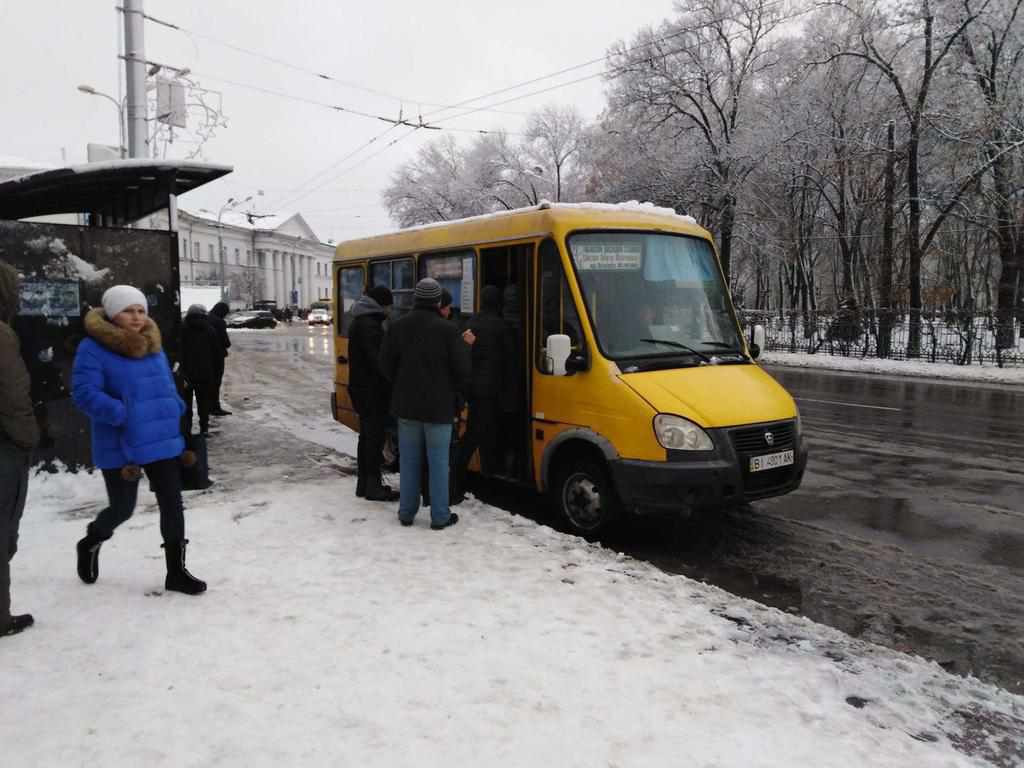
349, 285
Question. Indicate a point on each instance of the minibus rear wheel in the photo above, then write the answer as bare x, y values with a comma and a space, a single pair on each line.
584, 497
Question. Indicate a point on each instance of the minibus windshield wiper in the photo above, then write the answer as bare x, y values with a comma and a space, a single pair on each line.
721, 345
677, 345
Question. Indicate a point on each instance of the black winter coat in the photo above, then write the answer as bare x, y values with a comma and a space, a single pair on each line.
427, 362
490, 356
216, 318
202, 355
368, 387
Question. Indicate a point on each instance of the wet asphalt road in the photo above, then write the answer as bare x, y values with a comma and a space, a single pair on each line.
908, 529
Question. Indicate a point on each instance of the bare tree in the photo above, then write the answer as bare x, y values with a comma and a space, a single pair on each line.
927, 42
698, 76
433, 187
993, 52
554, 136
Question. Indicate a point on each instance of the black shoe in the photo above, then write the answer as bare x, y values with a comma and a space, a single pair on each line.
89, 557
18, 624
452, 520
383, 493
220, 412
178, 577
405, 523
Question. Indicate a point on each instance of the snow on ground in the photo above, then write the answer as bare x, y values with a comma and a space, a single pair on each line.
333, 636
991, 374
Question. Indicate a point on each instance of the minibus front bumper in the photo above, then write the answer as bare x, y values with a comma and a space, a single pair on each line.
687, 484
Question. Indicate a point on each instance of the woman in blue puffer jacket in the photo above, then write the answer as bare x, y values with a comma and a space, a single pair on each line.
122, 381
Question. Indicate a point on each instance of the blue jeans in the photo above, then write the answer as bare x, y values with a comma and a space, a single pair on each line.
412, 437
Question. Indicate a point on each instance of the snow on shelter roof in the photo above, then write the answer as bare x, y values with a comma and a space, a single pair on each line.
12, 167
118, 191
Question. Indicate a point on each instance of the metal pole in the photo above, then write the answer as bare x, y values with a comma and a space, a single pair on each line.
220, 252
135, 73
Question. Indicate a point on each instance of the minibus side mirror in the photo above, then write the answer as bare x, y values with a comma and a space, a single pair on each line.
558, 350
757, 344
576, 364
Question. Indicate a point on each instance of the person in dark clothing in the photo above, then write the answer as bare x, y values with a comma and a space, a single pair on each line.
201, 360
216, 317
370, 390
445, 310
485, 406
19, 434
427, 363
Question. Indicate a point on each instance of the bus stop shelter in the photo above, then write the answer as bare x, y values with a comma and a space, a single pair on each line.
66, 267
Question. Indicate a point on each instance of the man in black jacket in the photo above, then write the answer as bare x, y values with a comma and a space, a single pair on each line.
202, 361
369, 389
19, 434
216, 318
427, 362
490, 362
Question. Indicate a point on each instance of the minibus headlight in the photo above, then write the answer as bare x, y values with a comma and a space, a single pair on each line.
678, 434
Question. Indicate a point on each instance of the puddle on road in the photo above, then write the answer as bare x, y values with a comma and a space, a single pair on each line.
886, 514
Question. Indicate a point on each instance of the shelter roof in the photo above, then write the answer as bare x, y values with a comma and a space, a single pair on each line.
117, 191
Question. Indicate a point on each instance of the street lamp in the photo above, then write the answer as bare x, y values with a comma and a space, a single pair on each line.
88, 89
231, 203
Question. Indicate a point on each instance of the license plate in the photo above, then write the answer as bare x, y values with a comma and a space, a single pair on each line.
771, 461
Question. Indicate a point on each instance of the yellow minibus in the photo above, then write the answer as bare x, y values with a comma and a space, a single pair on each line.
630, 387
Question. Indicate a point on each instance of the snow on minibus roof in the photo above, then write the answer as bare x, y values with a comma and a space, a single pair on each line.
632, 206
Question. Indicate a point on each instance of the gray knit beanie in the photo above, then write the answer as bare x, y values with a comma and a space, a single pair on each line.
428, 292
196, 309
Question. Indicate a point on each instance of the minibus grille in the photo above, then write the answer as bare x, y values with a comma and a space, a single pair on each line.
754, 441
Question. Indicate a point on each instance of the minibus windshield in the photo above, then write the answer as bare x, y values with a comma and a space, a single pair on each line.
653, 295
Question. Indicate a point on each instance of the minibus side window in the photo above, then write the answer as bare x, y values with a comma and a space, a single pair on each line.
555, 305
400, 276
449, 269
350, 288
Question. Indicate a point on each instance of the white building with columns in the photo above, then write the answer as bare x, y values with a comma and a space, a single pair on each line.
264, 257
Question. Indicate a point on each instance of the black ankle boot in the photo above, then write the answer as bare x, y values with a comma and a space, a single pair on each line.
360, 485
89, 556
18, 623
377, 491
178, 577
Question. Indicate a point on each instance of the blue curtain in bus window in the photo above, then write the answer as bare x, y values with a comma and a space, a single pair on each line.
676, 259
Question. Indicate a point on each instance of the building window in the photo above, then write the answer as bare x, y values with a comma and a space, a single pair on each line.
248, 257
211, 253
197, 252
184, 249
238, 256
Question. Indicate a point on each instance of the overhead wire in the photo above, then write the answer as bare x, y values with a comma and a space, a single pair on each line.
296, 67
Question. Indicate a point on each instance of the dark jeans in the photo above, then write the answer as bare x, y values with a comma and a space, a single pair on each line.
205, 395
370, 449
14, 464
482, 431
165, 479
218, 377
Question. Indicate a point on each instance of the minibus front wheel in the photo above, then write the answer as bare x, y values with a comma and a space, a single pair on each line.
583, 494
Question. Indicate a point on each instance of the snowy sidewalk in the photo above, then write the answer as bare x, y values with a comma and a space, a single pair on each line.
990, 374
333, 636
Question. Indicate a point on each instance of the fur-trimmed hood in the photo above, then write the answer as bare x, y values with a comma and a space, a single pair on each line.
120, 340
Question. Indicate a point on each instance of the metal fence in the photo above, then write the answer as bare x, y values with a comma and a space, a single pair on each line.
961, 338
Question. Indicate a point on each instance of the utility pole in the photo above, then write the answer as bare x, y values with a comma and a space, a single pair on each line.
135, 75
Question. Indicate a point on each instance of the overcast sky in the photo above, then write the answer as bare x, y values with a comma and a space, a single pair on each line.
440, 52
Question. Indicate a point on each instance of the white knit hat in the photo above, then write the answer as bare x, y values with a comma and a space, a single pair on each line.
116, 299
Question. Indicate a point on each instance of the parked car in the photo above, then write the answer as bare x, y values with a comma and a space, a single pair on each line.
318, 317
251, 319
